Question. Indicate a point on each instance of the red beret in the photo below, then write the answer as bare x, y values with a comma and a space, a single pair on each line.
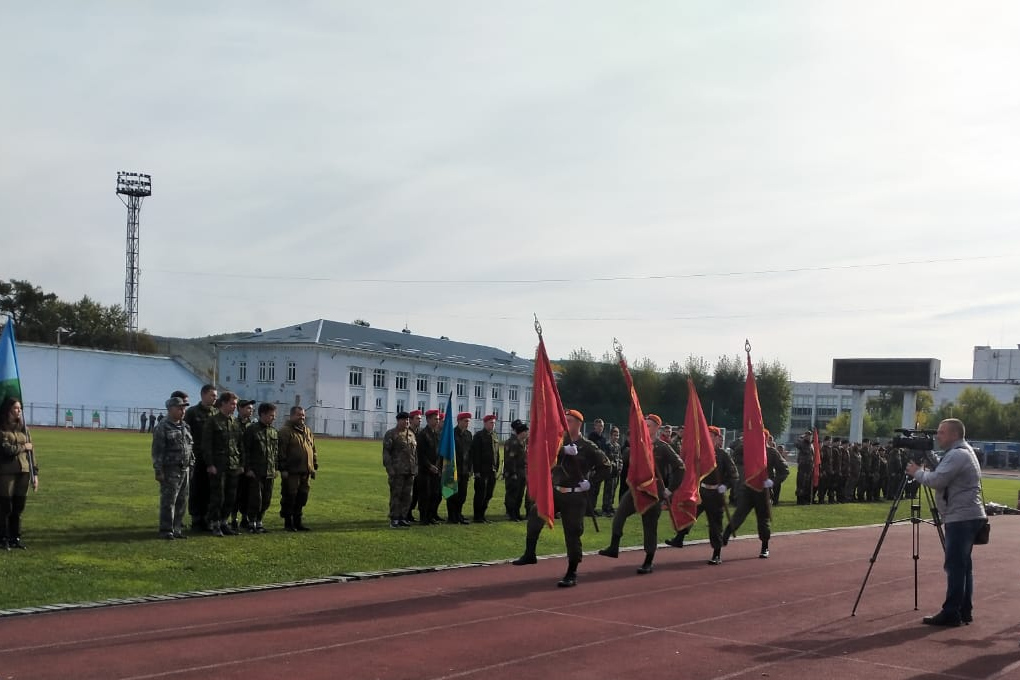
463, 414
489, 417
431, 412
714, 430
656, 419
575, 414
442, 416
414, 413
767, 433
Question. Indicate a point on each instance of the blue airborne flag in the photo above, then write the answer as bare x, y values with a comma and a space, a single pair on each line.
10, 381
448, 451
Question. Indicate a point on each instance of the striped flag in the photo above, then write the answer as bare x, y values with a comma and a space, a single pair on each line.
10, 381
448, 451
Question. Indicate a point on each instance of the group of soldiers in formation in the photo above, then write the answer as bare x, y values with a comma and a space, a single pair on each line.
588, 478
849, 473
220, 467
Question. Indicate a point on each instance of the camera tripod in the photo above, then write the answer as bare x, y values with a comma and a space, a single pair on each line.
915, 520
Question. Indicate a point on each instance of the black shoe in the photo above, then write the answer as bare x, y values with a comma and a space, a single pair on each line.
967, 617
228, 530
610, 552
166, 535
941, 619
568, 581
645, 569
180, 536
525, 559
216, 531
199, 525
452, 520
395, 524
245, 524
716, 559
764, 554
409, 518
299, 526
726, 535
675, 542
463, 520
403, 522
233, 525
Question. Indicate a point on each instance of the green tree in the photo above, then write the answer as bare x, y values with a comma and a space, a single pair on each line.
840, 426
774, 394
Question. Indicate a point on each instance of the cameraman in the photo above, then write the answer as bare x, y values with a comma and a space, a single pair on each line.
958, 478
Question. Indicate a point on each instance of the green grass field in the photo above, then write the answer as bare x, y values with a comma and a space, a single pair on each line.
91, 528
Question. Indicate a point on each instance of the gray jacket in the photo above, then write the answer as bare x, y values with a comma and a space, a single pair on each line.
957, 484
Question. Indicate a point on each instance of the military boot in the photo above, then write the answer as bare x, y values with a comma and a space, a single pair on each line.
727, 532
298, 526
764, 554
646, 567
288, 523
531, 542
614, 547
678, 540
569, 579
716, 558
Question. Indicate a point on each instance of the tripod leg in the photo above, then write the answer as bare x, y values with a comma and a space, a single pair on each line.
881, 539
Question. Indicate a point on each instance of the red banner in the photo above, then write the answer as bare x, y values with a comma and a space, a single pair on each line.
756, 469
698, 453
548, 422
818, 461
641, 471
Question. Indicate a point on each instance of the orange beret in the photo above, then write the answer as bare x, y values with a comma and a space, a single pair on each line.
488, 418
431, 412
654, 418
714, 430
574, 413
767, 433
463, 415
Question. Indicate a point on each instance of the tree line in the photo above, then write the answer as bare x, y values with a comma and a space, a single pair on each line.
597, 389
37, 315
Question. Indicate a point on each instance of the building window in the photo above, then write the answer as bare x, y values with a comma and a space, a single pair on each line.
802, 400
826, 412
379, 377
511, 393
378, 404
356, 402
401, 405
442, 407
355, 427
271, 371
401, 381
421, 406
496, 390
462, 388
801, 410
355, 379
291, 371
495, 412
262, 372
441, 383
527, 395
423, 383
479, 390
512, 415
242, 371
461, 407
478, 412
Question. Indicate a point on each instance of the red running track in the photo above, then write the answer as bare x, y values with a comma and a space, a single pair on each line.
785, 617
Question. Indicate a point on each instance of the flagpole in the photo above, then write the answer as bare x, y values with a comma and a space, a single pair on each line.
768, 492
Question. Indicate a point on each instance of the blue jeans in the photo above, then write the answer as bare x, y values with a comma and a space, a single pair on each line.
959, 568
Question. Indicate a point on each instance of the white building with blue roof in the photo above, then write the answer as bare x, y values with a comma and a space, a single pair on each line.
352, 380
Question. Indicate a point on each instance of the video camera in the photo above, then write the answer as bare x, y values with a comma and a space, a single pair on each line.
921, 441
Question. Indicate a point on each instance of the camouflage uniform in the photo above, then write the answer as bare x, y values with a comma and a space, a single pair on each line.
198, 494
15, 480
261, 449
615, 455
853, 473
805, 470
241, 499
220, 450
172, 458
399, 453
515, 471
299, 460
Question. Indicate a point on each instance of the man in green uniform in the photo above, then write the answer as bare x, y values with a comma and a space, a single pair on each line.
245, 408
428, 480
261, 449
805, 467
614, 453
515, 470
222, 456
172, 458
484, 466
462, 438
759, 501
669, 472
399, 457
297, 463
578, 462
198, 493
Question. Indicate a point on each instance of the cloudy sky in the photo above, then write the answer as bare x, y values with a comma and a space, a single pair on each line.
828, 179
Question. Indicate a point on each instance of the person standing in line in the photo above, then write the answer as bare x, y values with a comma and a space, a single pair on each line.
399, 457
198, 494
428, 480
515, 470
260, 452
172, 460
957, 481
297, 462
245, 408
485, 465
220, 436
16, 473
462, 438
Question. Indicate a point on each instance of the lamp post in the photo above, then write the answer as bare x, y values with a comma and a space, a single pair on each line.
68, 332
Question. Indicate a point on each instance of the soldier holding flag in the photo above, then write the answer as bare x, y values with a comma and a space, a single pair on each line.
18, 470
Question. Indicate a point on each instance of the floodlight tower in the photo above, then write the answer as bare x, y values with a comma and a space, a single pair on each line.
135, 187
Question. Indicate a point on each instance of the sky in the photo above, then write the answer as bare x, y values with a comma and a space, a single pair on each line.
826, 179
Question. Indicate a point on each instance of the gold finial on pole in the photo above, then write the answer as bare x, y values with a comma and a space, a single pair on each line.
538, 326
618, 348
747, 345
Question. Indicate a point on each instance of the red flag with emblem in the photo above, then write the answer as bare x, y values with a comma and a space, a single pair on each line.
818, 461
548, 423
756, 469
641, 471
698, 453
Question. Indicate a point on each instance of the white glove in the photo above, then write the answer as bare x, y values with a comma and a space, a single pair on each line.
570, 449
721, 488
584, 485
768, 484
666, 494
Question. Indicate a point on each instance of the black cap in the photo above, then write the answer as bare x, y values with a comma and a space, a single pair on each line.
403, 415
518, 426
245, 402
